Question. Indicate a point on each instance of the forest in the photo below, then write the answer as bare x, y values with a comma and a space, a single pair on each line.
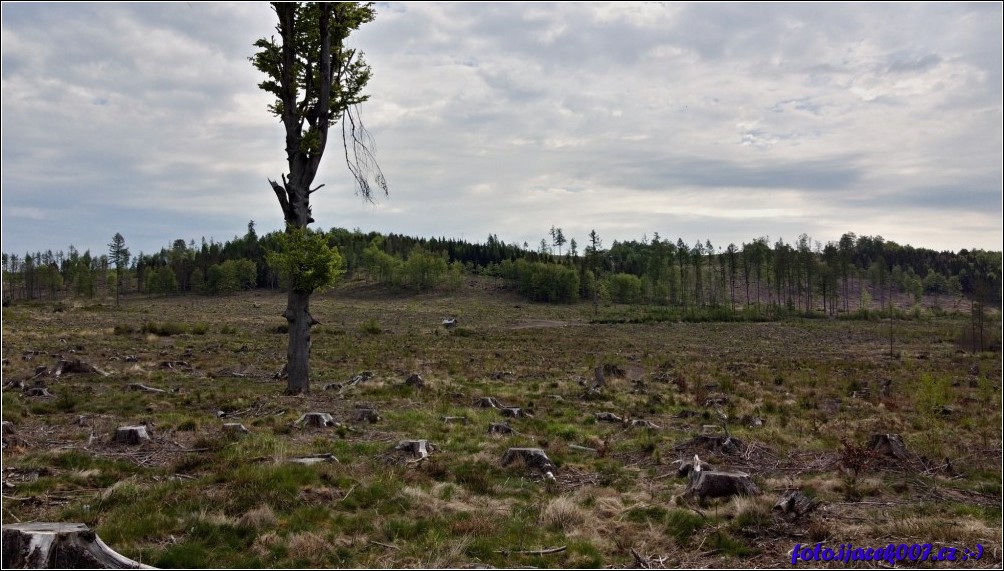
759, 279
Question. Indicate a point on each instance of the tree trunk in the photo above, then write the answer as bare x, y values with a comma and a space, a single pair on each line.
298, 353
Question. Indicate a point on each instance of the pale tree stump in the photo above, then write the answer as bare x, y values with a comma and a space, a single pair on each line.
514, 412
316, 420
419, 448
532, 458
131, 435
235, 428
59, 546
608, 416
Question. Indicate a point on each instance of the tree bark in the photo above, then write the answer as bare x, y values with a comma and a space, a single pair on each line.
59, 546
298, 352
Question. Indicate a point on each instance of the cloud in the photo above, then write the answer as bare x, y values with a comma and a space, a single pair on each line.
727, 121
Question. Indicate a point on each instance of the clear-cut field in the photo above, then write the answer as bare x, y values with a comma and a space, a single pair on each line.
803, 398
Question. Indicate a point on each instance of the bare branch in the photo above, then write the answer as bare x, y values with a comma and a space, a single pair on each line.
362, 164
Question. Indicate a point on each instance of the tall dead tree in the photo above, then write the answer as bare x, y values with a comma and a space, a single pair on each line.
317, 82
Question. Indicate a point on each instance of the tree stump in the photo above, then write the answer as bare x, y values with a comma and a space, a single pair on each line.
419, 448
532, 458
316, 420
888, 445
75, 366
455, 420
687, 467
513, 412
367, 415
450, 322
500, 428
37, 392
131, 435
235, 428
415, 381
713, 484
487, 402
716, 399
795, 503
59, 546
608, 417
601, 380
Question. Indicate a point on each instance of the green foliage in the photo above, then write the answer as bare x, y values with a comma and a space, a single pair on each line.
304, 260
551, 283
624, 288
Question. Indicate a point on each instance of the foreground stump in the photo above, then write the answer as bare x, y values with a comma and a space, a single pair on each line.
316, 420
712, 484
59, 546
131, 435
419, 448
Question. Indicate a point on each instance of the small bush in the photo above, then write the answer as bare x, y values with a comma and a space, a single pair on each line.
371, 327
164, 329
200, 329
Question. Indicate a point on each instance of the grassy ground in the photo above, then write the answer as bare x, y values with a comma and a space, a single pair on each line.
196, 496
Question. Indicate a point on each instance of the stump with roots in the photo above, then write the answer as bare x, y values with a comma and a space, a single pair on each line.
500, 428
687, 467
514, 412
888, 445
418, 448
316, 420
131, 434
59, 546
608, 416
487, 402
532, 458
712, 484
369, 415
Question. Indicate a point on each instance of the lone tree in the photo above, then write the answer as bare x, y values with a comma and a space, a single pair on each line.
118, 254
317, 81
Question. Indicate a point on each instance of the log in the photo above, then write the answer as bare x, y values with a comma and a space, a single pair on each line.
641, 423
608, 417
315, 459
131, 434
75, 366
316, 420
59, 546
532, 458
143, 388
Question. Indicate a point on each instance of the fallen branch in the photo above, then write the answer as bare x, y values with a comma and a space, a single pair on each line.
545, 551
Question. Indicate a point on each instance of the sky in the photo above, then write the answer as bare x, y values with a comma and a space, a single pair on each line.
710, 121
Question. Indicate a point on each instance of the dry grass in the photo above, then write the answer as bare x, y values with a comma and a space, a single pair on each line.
236, 501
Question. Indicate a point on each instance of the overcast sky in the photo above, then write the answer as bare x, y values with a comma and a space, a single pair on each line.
703, 121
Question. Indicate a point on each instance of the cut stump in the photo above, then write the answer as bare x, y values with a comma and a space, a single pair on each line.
713, 484
419, 448
235, 428
316, 420
131, 435
795, 503
500, 428
59, 546
888, 445
487, 402
532, 458
415, 381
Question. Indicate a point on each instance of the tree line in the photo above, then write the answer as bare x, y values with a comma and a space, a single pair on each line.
762, 275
